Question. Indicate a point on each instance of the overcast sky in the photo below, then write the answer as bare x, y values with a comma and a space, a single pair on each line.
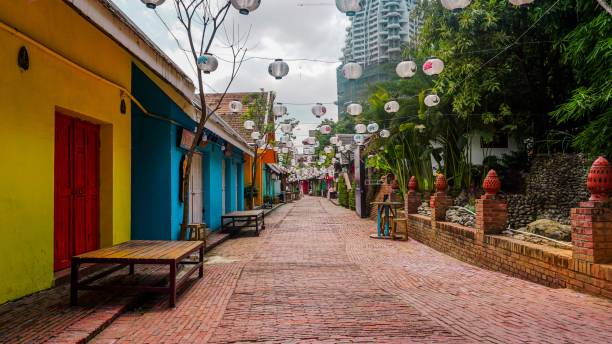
278, 29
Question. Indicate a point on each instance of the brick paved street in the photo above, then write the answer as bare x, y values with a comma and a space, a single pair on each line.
315, 276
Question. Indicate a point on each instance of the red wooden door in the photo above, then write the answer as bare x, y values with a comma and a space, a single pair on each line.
77, 205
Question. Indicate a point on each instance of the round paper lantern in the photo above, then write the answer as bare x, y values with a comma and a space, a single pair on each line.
278, 69
352, 71
333, 140
207, 63
152, 3
354, 109
279, 110
392, 107
349, 7
432, 100
338, 155
328, 149
249, 125
276, 149
235, 106
246, 6
360, 128
406, 69
286, 128
455, 4
289, 144
517, 2
319, 110
385, 133
372, 128
433, 66
326, 129
310, 140
284, 150
255, 135
358, 138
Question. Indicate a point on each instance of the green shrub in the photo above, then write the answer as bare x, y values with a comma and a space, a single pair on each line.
351, 200
342, 193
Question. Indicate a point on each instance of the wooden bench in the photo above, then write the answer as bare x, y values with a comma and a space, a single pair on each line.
244, 219
171, 253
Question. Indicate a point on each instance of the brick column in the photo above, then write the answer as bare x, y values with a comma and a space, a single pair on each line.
592, 221
412, 201
440, 201
491, 212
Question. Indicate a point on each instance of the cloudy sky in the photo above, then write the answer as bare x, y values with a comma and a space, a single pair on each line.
278, 29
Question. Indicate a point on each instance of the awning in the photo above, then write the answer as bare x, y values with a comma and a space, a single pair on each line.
275, 168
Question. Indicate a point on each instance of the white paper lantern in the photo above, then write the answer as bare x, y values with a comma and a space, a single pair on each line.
325, 129
360, 128
255, 135
289, 144
279, 110
278, 69
352, 71
285, 138
246, 6
358, 138
235, 106
433, 66
349, 7
276, 149
328, 149
517, 2
455, 4
319, 110
392, 107
338, 155
372, 128
432, 100
249, 125
286, 128
207, 63
333, 140
406, 69
310, 140
385, 133
152, 3
354, 109
284, 150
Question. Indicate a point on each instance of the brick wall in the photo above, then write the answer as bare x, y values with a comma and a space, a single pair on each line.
541, 264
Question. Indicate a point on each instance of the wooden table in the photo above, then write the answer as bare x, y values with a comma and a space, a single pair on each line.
384, 223
244, 219
171, 253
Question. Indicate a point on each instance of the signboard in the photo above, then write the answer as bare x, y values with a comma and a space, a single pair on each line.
187, 138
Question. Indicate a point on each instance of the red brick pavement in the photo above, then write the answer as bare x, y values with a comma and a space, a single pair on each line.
315, 276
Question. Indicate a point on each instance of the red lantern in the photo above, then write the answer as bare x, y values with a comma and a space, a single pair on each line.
491, 183
441, 183
599, 180
412, 184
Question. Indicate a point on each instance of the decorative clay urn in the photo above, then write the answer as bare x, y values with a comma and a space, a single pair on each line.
491, 183
441, 183
412, 184
599, 180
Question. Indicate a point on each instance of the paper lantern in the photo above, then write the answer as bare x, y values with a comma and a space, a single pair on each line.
310, 141
235, 106
349, 7
249, 125
284, 150
455, 4
286, 128
328, 149
325, 129
432, 100
319, 110
406, 69
517, 2
289, 144
279, 110
433, 66
246, 6
207, 63
385, 133
255, 135
392, 107
360, 128
354, 109
333, 140
278, 69
372, 128
352, 71
358, 138
152, 3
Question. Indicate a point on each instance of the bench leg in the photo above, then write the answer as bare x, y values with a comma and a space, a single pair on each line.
257, 225
74, 282
201, 272
263, 221
172, 283
132, 269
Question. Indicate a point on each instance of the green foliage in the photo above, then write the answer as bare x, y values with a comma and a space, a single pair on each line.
342, 193
351, 200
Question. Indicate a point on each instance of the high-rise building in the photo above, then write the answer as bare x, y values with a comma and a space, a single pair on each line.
375, 38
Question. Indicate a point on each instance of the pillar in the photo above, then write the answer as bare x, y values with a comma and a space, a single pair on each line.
440, 201
592, 220
491, 211
412, 200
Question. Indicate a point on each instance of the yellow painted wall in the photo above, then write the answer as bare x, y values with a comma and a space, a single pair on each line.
28, 101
